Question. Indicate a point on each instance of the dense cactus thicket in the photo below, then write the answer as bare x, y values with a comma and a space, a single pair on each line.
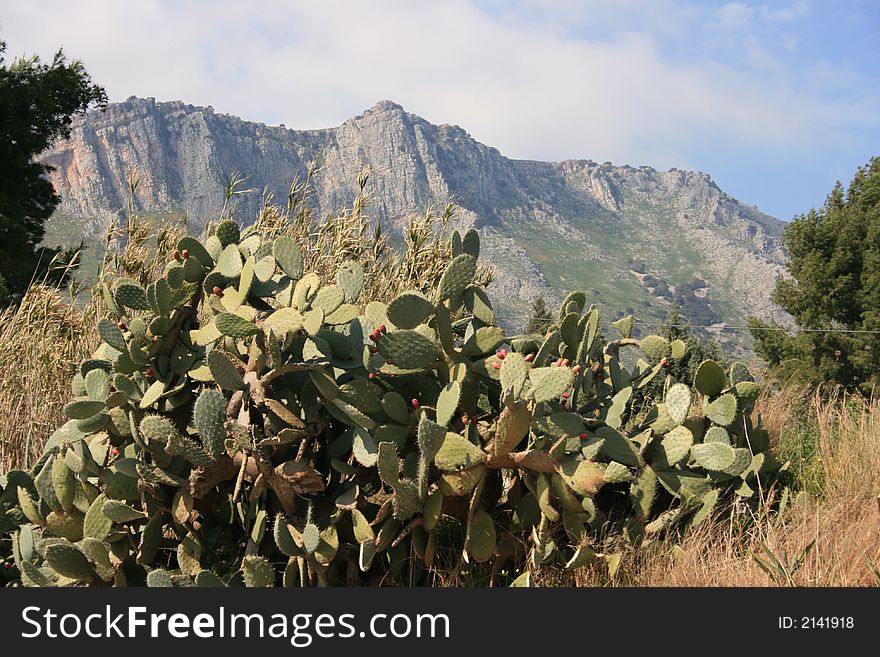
246, 424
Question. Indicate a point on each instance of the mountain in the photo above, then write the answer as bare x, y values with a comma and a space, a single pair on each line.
634, 238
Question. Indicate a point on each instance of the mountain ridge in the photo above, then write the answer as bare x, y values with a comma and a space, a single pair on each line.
634, 237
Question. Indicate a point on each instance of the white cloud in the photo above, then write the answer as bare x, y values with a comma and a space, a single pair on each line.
533, 90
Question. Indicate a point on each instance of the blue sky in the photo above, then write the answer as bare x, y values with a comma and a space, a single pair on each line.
776, 100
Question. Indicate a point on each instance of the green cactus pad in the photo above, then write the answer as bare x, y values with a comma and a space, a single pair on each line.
717, 435
329, 298
408, 350
228, 233
96, 524
655, 347
209, 416
432, 510
235, 326
480, 539
458, 275
288, 256
582, 476
395, 407
739, 373
550, 382
713, 456
350, 277
257, 572
617, 447
458, 453
345, 314
68, 561
447, 403
617, 473
514, 373
478, 304
678, 348
285, 320
224, 371
709, 378
305, 290
741, 462
196, 251
484, 341
83, 408
158, 429
678, 402
470, 243
64, 482
642, 492
229, 264
111, 334
624, 326
722, 411
747, 392
120, 511
207, 579
131, 295
409, 309
364, 448
674, 447
574, 302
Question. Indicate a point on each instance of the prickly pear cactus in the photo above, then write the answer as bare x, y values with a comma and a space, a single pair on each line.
245, 423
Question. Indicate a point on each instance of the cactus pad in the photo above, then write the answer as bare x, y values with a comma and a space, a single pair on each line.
709, 378
409, 309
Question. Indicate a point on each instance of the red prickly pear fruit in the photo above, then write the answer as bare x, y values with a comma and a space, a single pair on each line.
583, 436
558, 362
217, 290
415, 403
175, 254
382, 329
664, 362
566, 395
496, 365
565, 362
373, 350
465, 420
529, 358
576, 369
374, 336
501, 353
371, 375
121, 325
150, 373
185, 254
115, 451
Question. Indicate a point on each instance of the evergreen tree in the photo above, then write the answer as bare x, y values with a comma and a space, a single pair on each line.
541, 317
834, 262
37, 103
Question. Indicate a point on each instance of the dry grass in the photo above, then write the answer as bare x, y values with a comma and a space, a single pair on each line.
837, 439
42, 341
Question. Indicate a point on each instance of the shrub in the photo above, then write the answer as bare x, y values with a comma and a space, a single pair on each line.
246, 422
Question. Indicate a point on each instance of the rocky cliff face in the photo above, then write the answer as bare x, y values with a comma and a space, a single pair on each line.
635, 238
